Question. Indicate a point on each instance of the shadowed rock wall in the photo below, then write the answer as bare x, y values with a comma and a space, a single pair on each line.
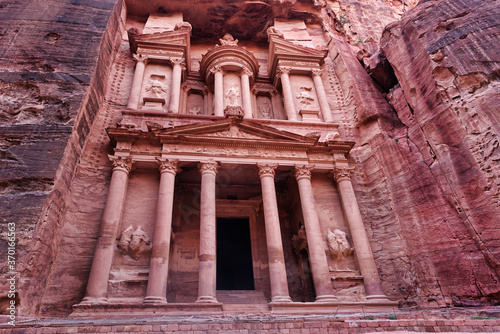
429, 178
54, 60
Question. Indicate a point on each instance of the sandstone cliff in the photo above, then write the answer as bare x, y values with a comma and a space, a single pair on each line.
430, 182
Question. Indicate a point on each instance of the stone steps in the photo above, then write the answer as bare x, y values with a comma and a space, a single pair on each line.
241, 297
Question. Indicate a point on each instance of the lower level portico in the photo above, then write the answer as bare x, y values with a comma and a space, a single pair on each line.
176, 197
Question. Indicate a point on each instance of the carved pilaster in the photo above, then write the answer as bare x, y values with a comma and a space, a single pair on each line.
121, 163
303, 171
215, 69
177, 61
247, 71
267, 169
168, 166
283, 70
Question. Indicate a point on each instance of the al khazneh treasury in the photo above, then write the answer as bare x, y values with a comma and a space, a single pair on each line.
230, 184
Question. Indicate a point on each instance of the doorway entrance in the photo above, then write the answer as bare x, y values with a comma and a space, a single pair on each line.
234, 254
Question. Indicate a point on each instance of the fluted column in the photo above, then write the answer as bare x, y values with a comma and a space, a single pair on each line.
320, 91
276, 258
97, 284
135, 91
207, 267
158, 266
218, 91
287, 93
245, 93
315, 240
175, 87
360, 239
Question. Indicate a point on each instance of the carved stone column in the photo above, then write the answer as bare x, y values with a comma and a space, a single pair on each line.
218, 91
135, 91
360, 239
276, 258
320, 91
287, 93
158, 267
245, 93
99, 273
175, 87
208, 247
315, 240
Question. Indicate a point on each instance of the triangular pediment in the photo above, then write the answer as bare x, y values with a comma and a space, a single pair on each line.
234, 130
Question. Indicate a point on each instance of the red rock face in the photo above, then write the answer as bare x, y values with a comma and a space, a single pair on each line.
431, 176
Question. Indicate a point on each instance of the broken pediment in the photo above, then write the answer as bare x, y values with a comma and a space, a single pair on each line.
287, 53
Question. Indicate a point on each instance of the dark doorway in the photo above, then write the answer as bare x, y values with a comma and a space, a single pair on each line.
234, 254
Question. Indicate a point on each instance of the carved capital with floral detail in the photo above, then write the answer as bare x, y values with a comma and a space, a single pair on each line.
316, 71
303, 171
215, 69
283, 70
342, 174
123, 164
168, 165
177, 61
140, 58
267, 169
247, 71
208, 167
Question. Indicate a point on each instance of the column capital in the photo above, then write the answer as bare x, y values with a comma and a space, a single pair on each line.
267, 169
303, 171
247, 72
121, 163
177, 61
317, 72
140, 58
280, 70
215, 69
342, 173
208, 167
167, 165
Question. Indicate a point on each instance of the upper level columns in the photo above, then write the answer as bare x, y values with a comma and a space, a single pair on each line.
276, 258
158, 267
135, 91
287, 93
207, 257
99, 273
360, 239
315, 240
175, 87
245, 93
218, 91
320, 91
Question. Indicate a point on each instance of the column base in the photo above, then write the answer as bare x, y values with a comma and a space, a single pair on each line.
377, 297
94, 301
281, 299
206, 299
155, 300
325, 299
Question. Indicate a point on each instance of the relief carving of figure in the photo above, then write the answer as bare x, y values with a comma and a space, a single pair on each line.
233, 95
228, 39
265, 111
155, 86
304, 97
134, 242
195, 111
339, 247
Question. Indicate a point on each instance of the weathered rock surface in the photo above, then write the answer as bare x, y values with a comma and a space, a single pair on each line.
49, 95
430, 180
